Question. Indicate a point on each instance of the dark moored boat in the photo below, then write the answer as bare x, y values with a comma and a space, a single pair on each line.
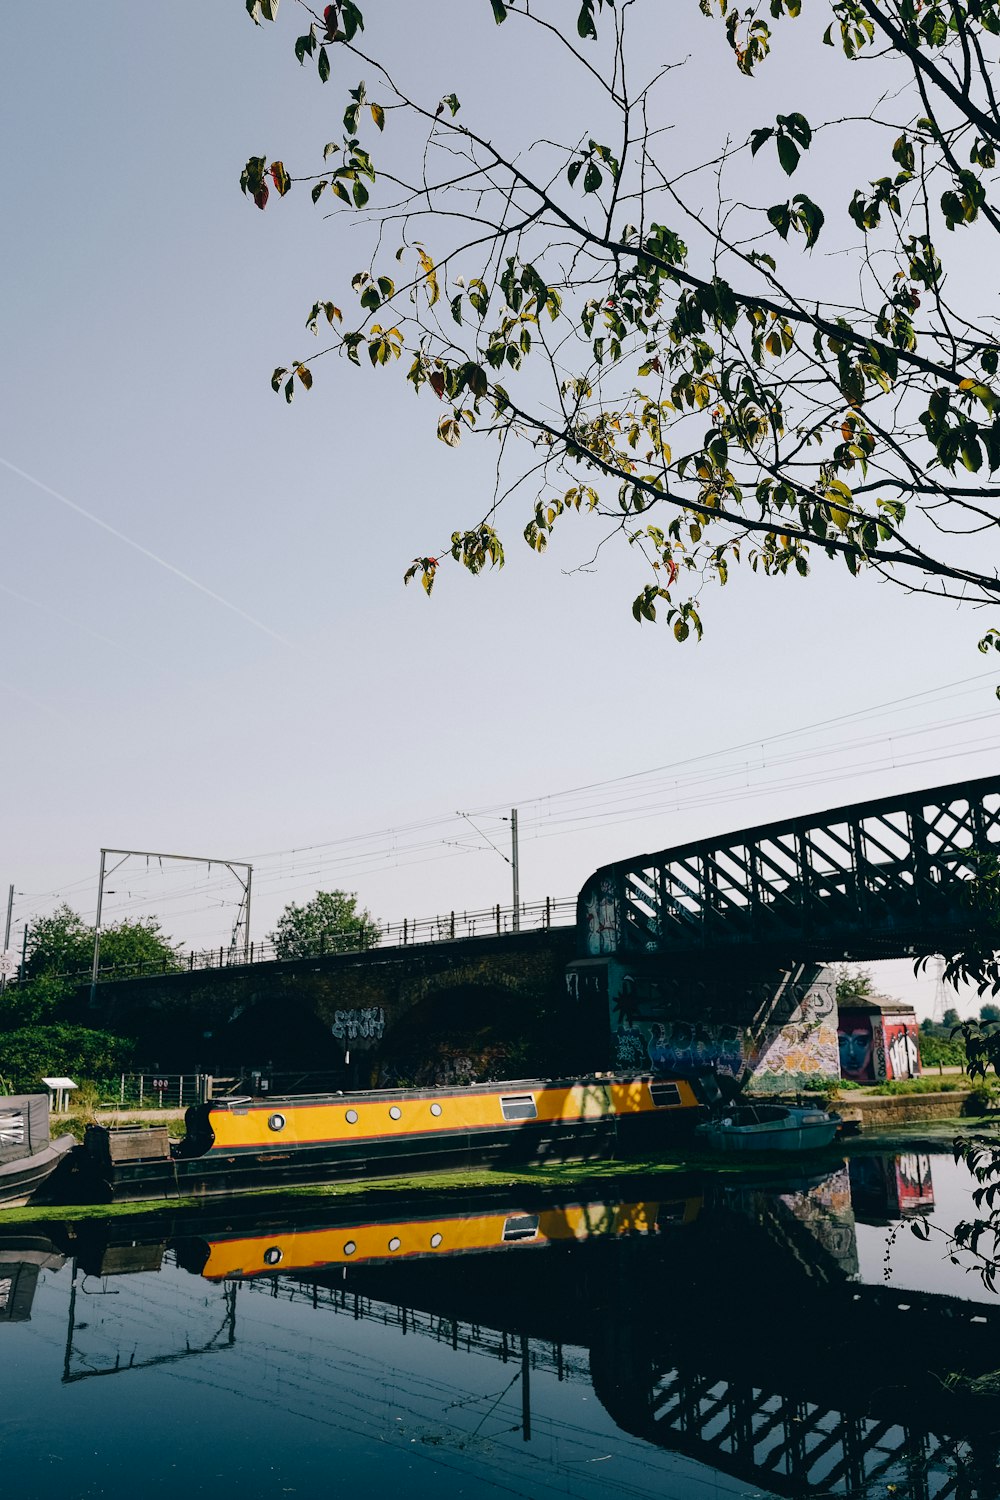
239, 1145
28, 1154
770, 1127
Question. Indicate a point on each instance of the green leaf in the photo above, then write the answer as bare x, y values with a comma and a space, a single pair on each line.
317, 190
452, 102
585, 21
758, 138
788, 154
360, 193
592, 178
499, 11
323, 65
573, 171
352, 19
811, 218
780, 216
972, 454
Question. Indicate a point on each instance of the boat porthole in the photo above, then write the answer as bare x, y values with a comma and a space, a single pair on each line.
350, 1247
272, 1257
435, 1241
395, 1112
394, 1243
435, 1109
276, 1122
351, 1117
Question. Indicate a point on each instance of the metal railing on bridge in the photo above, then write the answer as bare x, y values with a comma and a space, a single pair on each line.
489, 921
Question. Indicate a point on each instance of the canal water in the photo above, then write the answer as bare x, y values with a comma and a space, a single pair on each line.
703, 1338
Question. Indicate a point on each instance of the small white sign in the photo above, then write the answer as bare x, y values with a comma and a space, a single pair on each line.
8, 962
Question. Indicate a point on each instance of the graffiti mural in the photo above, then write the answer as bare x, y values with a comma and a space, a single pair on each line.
601, 917
902, 1054
365, 1024
647, 1034
803, 1050
856, 1041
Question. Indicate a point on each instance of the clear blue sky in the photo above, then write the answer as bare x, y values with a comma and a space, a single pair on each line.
312, 699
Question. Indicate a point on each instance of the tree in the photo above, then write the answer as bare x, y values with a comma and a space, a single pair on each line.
329, 923
989, 1014
646, 308
853, 984
60, 954
63, 944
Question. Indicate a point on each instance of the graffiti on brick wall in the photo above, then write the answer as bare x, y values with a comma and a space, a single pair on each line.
365, 1024
804, 1050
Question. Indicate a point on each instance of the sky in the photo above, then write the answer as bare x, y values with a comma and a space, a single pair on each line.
207, 645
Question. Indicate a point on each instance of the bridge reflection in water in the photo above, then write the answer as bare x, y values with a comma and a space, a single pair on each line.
728, 1325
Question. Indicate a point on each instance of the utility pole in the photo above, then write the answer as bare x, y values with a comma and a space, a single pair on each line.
97, 931
513, 860
515, 869
6, 934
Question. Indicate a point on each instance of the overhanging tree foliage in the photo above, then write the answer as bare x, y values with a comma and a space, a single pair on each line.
717, 370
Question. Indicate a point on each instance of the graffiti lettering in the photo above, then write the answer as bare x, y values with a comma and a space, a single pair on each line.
352, 1025
904, 1058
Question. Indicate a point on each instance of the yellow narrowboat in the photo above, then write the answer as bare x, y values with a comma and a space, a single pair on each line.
241, 1144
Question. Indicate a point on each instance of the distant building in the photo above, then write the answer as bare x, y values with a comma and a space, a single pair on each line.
878, 1040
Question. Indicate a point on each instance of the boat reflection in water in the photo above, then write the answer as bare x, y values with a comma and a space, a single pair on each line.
723, 1328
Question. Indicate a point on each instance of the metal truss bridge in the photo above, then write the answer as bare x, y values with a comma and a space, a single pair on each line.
876, 879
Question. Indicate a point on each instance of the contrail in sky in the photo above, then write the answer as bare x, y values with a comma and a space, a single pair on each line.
160, 561
68, 620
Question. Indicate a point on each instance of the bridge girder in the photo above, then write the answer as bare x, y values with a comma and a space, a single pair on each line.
877, 879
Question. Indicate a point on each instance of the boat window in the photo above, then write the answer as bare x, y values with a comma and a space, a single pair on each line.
520, 1227
272, 1256
276, 1122
395, 1112
350, 1247
394, 1243
435, 1109
665, 1093
11, 1128
351, 1117
519, 1107
436, 1240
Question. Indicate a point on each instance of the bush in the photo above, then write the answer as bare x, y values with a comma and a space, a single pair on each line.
34, 1052
920, 1086
948, 1051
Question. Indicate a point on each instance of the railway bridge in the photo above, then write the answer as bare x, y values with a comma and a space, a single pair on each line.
709, 953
